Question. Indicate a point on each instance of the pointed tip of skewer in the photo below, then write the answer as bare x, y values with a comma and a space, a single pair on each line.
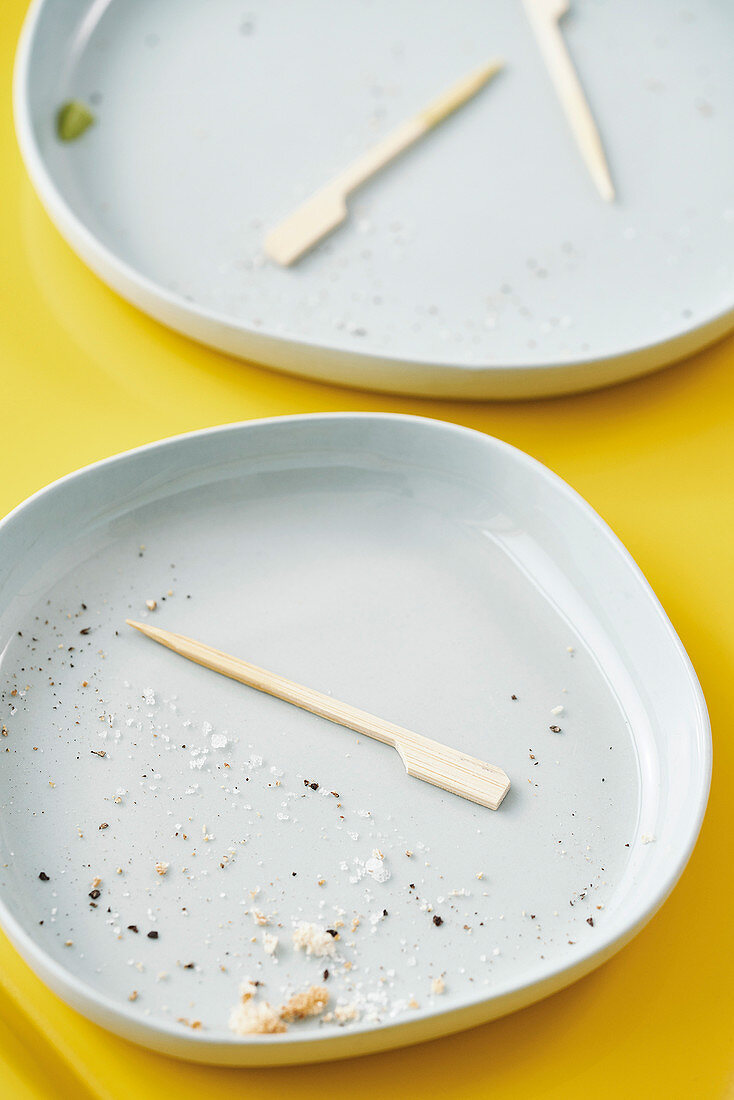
142, 627
605, 187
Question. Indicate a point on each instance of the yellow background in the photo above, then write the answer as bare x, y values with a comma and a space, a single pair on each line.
83, 375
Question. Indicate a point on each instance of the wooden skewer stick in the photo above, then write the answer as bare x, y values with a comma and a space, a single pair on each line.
431, 761
327, 209
544, 17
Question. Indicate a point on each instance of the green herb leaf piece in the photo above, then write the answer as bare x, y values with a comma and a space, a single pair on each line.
72, 119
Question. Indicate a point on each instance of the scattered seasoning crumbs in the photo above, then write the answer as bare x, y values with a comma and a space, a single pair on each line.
161, 867
72, 119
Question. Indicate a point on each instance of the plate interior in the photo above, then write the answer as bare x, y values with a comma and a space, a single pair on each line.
485, 245
421, 572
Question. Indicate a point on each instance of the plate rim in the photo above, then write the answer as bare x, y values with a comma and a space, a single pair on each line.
510, 379
162, 1035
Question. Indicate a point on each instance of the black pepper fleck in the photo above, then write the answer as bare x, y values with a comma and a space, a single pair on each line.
438, 921
153, 935
43, 876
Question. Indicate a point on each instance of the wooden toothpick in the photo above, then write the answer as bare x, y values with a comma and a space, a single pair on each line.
327, 209
544, 17
431, 761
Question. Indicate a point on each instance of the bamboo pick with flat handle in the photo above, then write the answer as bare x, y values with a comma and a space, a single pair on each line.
327, 209
431, 761
544, 16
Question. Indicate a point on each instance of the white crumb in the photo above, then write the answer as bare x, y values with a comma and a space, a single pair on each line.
313, 940
270, 943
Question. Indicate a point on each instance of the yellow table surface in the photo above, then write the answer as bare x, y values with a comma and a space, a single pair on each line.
83, 375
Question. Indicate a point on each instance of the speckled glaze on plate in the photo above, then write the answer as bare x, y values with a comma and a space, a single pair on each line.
428, 573
481, 264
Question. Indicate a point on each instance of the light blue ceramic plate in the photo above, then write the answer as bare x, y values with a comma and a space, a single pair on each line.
483, 263
426, 573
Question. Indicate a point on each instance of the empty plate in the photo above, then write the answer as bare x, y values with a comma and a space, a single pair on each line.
481, 263
168, 835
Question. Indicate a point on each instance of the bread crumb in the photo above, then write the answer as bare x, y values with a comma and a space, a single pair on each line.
270, 943
151, 604
555, 711
96, 881
133, 996
344, 1014
313, 940
259, 917
252, 1017
311, 1003
647, 838
161, 867
438, 986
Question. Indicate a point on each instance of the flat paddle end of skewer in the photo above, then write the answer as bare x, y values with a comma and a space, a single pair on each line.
454, 771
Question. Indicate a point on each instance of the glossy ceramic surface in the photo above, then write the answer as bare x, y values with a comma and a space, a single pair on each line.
482, 264
423, 571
